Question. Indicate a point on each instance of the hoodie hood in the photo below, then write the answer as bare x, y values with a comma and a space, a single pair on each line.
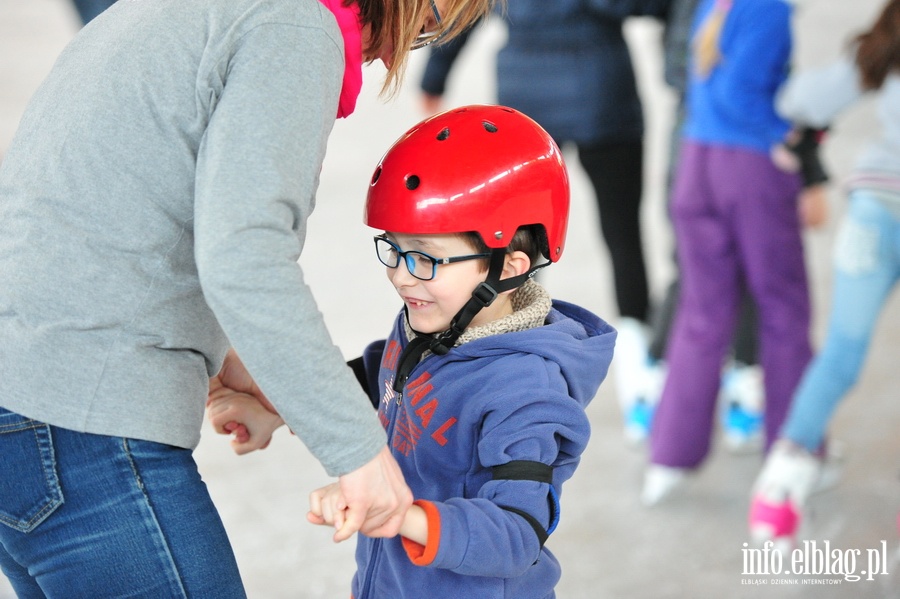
575, 339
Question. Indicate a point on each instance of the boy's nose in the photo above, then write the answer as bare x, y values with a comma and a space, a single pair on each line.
400, 276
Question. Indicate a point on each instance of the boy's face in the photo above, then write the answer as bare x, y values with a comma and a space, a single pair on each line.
431, 305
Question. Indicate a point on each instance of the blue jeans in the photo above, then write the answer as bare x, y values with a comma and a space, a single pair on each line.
85, 515
867, 266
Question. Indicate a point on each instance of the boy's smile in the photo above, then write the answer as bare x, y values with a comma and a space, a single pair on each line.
431, 305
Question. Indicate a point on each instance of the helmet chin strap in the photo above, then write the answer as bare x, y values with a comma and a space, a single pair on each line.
482, 297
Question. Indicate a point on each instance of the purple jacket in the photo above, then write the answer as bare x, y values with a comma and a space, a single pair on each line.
510, 398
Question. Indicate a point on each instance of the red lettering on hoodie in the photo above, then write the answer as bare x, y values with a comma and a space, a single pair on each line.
391, 355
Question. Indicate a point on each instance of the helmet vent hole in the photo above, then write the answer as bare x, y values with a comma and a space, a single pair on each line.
444, 134
412, 182
376, 175
489, 126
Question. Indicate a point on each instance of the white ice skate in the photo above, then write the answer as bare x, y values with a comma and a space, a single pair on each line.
638, 380
742, 398
660, 482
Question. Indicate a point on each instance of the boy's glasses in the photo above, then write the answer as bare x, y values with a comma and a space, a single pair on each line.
431, 31
420, 265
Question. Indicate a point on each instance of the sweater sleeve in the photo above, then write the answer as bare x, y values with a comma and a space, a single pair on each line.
816, 96
257, 173
487, 535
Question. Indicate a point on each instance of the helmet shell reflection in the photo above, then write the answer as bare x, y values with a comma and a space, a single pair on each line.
487, 169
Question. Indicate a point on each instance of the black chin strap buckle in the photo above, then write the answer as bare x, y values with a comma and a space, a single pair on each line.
484, 294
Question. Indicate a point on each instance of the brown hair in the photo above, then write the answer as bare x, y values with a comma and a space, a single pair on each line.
878, 49
528, 239
397, 22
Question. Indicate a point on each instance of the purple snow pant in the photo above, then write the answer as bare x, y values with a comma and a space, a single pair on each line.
736, 225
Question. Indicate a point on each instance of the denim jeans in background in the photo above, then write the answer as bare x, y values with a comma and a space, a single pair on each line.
88, 516
866, 269
88, 9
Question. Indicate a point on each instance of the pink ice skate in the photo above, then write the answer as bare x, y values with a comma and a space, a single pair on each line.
780, 492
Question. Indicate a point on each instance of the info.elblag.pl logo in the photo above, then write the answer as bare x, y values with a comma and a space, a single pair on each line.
813, 562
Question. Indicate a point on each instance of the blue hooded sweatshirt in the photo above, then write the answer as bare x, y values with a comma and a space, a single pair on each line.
515, 397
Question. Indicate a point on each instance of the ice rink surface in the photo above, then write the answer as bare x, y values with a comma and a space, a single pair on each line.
609, 545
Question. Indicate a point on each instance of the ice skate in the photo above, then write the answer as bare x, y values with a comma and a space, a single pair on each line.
742, 395
634, 376
780, 492
638, 419
660, 482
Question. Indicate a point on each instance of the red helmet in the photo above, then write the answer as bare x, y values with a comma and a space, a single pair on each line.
488, 169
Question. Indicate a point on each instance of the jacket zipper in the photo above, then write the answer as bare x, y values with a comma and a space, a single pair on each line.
375, 553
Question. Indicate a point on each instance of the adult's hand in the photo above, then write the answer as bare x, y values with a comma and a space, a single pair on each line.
376, 497
234, 376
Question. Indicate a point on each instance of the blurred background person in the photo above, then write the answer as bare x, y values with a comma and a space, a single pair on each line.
866, 268
737, 227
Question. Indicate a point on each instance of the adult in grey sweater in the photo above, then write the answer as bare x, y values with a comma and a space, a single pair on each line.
153, 206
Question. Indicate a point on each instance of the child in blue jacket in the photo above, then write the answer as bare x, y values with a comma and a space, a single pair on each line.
736, 215
483, 381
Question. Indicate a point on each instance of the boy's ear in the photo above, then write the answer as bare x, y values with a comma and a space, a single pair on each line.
516, 263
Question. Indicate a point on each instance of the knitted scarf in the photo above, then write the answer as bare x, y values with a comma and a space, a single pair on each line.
531, 303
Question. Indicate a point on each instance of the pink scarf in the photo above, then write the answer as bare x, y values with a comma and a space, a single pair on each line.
351, 29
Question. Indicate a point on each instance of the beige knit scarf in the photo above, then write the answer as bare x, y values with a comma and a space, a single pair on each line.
531, 305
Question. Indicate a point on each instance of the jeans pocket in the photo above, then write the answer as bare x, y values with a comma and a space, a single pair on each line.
29, 486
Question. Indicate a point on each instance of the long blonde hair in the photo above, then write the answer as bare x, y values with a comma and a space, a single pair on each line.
706, 42
397, 22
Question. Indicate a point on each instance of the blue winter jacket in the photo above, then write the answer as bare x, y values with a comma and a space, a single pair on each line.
513, 398
735, 105
566, 65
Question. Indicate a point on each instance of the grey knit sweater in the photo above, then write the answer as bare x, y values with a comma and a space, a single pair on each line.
153, 207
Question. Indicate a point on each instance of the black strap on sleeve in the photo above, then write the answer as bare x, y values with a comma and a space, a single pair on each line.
538, 529
535, 471
524, 470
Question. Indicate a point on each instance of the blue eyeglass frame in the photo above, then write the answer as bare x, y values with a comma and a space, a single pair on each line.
409, 258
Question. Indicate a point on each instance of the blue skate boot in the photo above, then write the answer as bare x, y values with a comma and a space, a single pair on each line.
742, 394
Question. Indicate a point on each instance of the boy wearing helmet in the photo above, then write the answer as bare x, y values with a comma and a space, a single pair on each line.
483, 381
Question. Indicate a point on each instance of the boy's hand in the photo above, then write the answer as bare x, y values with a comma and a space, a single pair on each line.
377, 498
243, 417
327, 507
